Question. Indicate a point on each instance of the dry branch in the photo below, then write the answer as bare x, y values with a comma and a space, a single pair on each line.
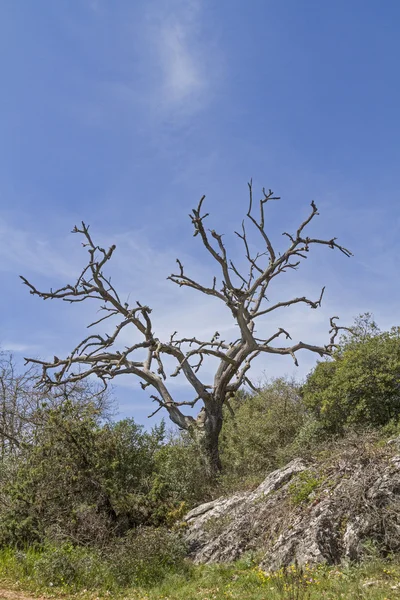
244, 294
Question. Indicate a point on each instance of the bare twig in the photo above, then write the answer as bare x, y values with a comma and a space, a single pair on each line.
244, 294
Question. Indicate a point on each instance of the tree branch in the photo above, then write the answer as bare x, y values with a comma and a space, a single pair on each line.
244, 295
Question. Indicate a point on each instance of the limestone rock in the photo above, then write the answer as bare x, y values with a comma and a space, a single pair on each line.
304, 514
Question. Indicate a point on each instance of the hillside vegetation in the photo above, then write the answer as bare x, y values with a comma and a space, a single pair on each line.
93, 506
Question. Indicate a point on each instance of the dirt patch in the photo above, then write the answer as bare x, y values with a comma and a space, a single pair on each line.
12, 595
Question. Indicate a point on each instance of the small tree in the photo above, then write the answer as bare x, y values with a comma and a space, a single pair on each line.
244, 294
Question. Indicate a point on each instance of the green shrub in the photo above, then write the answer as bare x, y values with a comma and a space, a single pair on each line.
361, 386
141, 558
306, 443
70, 566
303, 486
263, 425
80, 481
63, 566
145, 557
180, 479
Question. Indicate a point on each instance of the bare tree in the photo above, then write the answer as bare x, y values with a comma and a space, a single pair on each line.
23, 407
17, 397
244, 294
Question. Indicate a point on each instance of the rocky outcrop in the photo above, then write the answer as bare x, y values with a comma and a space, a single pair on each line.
306, 513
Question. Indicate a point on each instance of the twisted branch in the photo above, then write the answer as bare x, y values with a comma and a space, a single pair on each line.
244, 294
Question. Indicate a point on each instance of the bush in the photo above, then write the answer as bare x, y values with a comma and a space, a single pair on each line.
308, 441
87, 482
263, 425
80, 481
142, 558
180, 479
70, 566
303, 487
63, 566
361, 386
146, 556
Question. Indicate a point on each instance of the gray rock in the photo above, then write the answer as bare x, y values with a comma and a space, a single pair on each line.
354, 500
225, 528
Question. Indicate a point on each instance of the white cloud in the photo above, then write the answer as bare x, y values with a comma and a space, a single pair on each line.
18, 347
182, 76
164, 66
181, 57
21, 250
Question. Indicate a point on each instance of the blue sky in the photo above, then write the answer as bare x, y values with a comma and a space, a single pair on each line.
122, 114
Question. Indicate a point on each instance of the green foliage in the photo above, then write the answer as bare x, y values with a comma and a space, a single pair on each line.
66, 566
390, 430
309, 439
303, 486
146, 556
263, 425
142, 558
88, 504
364, 328
361, 385
80, 480
126, 463
180, 480
374, 580
85, 481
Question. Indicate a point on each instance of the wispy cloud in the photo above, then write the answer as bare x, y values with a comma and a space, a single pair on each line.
22, 251
181, 57
168, 64
19, 348
182, 73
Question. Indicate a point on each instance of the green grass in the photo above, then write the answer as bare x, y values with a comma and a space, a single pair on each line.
305, 484
242, 582
30, 571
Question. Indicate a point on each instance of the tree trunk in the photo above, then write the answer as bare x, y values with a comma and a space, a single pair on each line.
206, 433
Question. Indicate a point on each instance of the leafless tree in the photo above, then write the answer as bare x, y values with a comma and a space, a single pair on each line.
244, 294
23, 406
16, 403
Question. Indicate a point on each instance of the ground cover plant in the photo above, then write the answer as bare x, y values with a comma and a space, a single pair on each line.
92, 578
